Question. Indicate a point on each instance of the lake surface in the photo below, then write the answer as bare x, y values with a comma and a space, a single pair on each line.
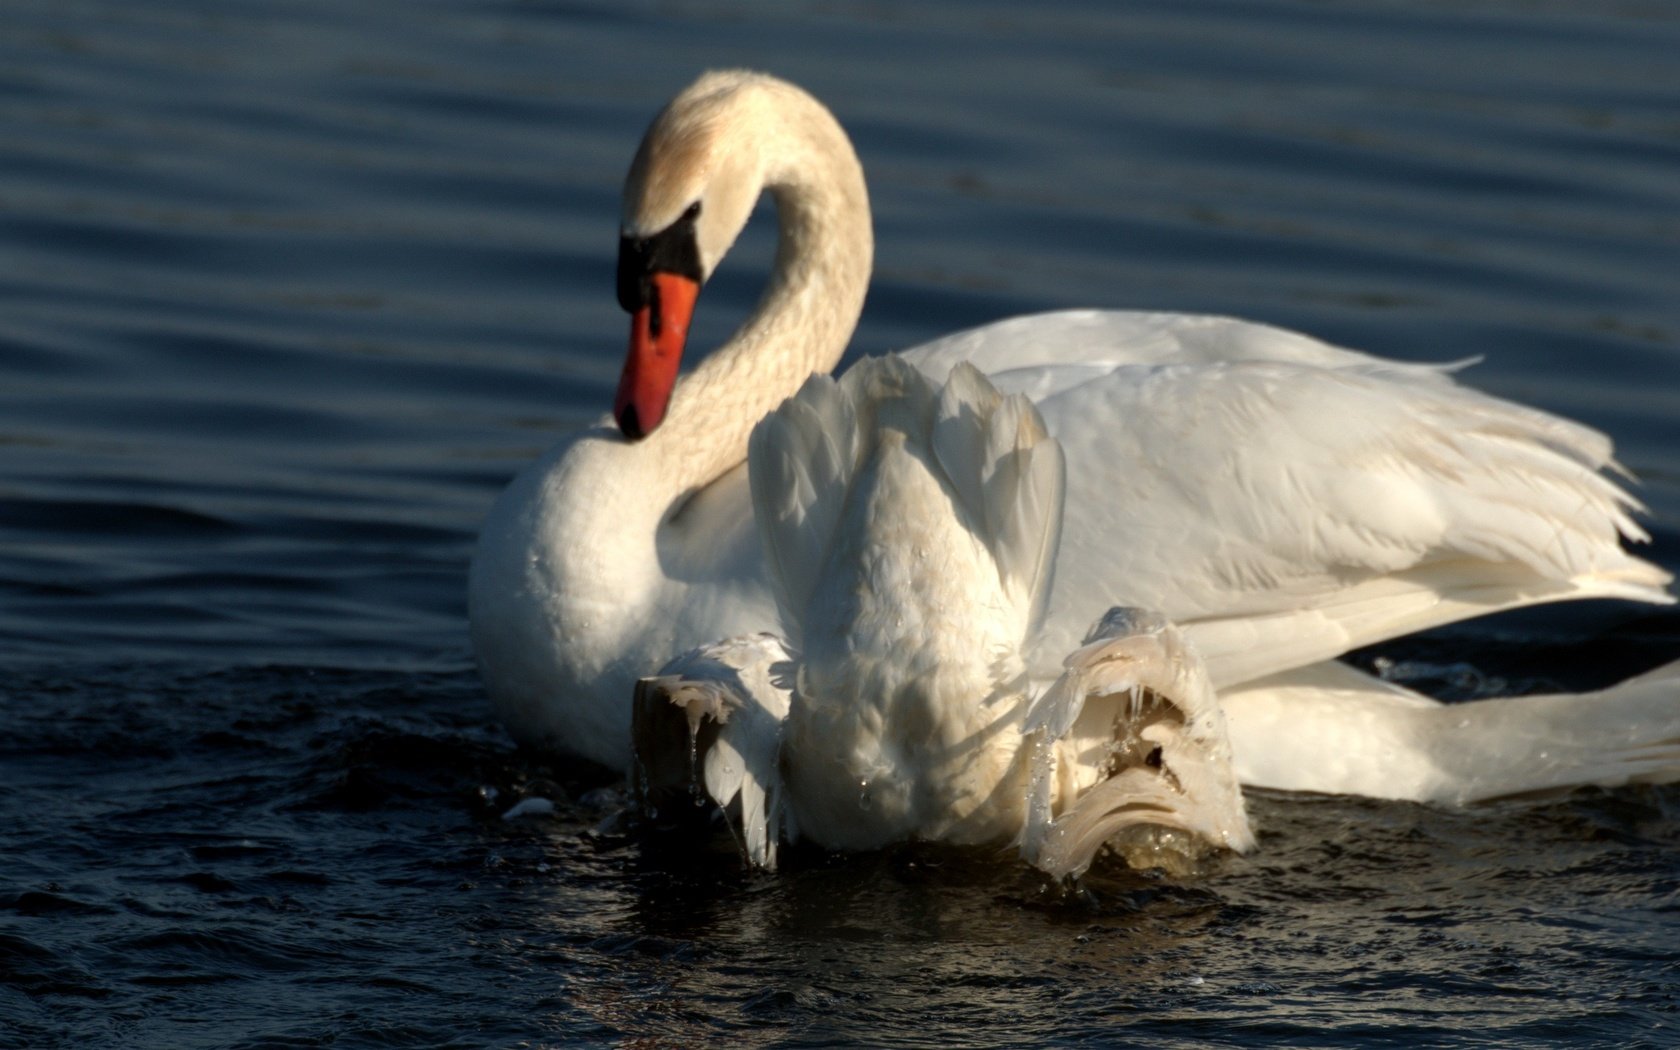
288, 291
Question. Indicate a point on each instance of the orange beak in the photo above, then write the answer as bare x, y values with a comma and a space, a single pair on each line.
658, 332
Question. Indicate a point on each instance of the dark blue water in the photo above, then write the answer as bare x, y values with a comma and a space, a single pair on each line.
289, 290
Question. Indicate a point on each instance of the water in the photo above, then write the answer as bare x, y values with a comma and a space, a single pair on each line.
289, 290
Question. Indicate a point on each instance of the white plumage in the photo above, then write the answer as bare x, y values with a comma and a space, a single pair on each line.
910, 581
910, 533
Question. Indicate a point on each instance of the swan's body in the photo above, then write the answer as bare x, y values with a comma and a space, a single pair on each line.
910, 531
1336, 729
909, 537
1281, 500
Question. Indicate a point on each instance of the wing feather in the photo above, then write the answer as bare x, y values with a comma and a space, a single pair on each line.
1253, 482
1320, 507
801, 460
1001, 465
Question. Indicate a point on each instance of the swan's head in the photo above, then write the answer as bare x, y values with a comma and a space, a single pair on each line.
690, 191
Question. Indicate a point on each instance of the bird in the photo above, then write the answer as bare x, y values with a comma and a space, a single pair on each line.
1274, 500
910, 531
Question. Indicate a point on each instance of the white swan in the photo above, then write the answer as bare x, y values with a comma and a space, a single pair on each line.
910, 533
1279, 499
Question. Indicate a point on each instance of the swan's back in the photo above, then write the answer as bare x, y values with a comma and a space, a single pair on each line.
1285, 500
910, 534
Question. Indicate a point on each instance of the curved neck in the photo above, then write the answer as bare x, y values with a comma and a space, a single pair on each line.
809, 309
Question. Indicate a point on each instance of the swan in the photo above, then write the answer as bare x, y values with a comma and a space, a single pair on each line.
910, 532
1277, 500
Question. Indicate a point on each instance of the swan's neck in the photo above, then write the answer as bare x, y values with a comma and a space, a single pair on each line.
808, 311
584, 570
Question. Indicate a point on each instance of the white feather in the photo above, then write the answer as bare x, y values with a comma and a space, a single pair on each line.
911, 567
735, 686
1339, 730
1131, 737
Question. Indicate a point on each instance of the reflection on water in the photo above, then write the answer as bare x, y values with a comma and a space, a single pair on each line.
287, 292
